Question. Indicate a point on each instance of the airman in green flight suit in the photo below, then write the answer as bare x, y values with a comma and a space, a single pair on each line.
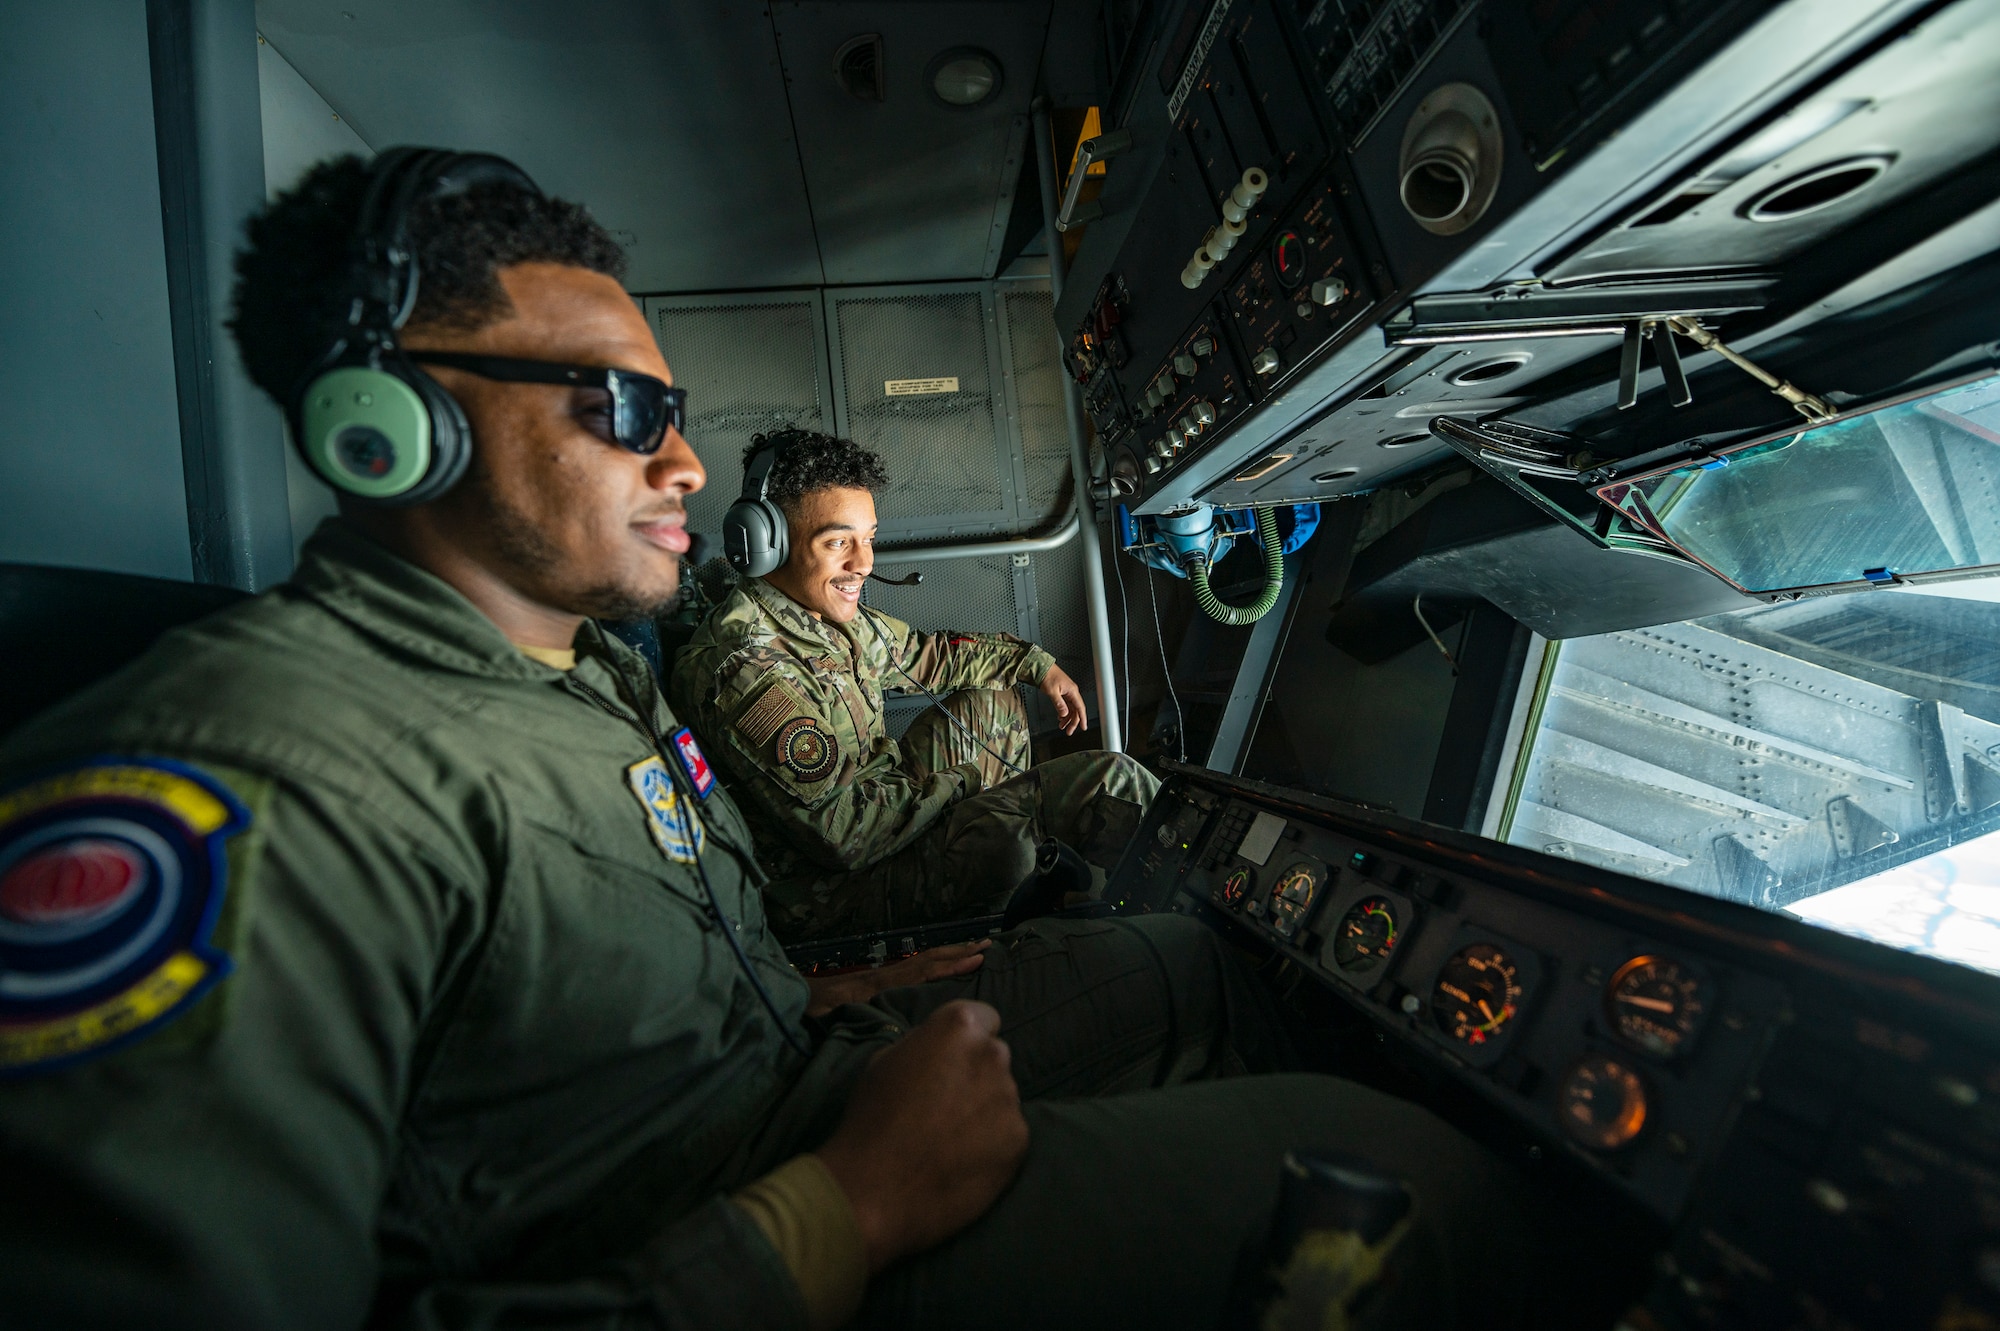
785, 681
381, 952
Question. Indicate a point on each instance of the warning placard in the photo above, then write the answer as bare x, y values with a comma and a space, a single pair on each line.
918, 387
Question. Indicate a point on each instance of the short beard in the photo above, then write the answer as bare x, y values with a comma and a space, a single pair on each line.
523, 546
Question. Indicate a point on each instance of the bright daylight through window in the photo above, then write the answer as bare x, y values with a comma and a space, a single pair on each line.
1837, 758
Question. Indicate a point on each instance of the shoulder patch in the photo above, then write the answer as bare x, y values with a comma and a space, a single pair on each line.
806, 751
112, 877
775, 706
675, 826
693, 761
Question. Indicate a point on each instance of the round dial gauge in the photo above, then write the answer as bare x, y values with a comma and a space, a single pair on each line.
1288, 256
1655, 1003
1367, 935
1602, 1103
1293, 897
1236, 887
1478, 992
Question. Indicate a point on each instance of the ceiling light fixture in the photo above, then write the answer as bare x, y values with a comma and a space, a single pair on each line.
964, 76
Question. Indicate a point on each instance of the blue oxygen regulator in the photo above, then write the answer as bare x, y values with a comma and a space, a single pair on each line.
1190, 541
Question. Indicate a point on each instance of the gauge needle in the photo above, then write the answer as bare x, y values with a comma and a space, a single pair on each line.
1490, 1018
1650, 1004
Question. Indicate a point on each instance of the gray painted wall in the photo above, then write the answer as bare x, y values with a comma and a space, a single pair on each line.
300, 129
90, 461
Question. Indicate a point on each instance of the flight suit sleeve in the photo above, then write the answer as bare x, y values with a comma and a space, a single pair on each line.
947, 660
786, 750
230, 1168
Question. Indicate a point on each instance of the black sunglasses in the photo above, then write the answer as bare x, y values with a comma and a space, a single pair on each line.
642, 408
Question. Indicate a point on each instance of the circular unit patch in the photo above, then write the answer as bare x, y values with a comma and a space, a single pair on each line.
806, 751
111, 880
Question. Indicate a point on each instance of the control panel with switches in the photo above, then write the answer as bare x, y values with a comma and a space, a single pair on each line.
1814, 1119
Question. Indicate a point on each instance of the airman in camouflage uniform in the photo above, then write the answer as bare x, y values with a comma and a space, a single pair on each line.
858, 831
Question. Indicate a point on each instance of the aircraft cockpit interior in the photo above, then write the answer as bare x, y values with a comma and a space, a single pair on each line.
1513, 475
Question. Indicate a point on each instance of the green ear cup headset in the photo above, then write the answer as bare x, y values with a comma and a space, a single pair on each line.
369, 422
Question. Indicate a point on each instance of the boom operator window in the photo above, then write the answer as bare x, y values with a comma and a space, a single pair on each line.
1834, 757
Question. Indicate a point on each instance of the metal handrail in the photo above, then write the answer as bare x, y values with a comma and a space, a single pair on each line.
1015, 545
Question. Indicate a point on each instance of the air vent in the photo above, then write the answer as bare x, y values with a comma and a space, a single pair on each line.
1814, 190
857, 67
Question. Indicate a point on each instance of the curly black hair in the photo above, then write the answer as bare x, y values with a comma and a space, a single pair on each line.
812, 461
293, 285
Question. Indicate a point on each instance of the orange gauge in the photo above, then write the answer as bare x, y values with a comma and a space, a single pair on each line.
1293, 899
1602, 1103
1477, 994
1236, 887
1656, 1004
1367, 935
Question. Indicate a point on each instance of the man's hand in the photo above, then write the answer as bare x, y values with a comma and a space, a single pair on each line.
932, 1134
1067, 697
936, 963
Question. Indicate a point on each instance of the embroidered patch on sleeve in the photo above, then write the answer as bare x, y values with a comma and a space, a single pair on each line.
806, 751
693, 761
111, 880
675, 826
761, 719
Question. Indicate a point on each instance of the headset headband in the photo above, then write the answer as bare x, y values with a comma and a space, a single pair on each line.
757, 471
400, 179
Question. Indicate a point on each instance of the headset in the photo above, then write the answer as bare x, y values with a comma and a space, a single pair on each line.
368, 421
755, 539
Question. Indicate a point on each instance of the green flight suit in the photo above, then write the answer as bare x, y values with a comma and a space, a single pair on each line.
480, 1053
861, 833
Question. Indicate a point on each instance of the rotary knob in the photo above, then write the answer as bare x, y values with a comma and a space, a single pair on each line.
1265, 361
1153, 466
1202, 346
1175, 438
1329, 291
1190, 427
1184, 365
1203, 413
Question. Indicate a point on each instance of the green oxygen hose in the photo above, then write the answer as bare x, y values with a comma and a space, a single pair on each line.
1274, 579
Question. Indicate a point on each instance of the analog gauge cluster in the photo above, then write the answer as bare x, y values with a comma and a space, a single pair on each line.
1656, 1005
1234, 890
1368, 929
1294, 895
1480, 994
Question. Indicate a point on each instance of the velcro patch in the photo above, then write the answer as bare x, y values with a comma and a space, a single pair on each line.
761, 719
809, 753
675, 826
111, 880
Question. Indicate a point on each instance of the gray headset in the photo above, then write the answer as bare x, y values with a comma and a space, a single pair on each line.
755, 539
369, 422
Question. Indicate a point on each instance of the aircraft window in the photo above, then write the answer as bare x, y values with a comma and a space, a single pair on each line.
1835, 758
1906, 489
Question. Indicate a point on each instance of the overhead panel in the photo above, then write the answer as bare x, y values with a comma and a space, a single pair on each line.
668, 120
908, 188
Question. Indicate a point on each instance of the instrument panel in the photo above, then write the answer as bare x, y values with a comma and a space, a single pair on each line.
1598, 1035
1814, 1120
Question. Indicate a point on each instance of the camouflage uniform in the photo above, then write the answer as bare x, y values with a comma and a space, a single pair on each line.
860, 832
